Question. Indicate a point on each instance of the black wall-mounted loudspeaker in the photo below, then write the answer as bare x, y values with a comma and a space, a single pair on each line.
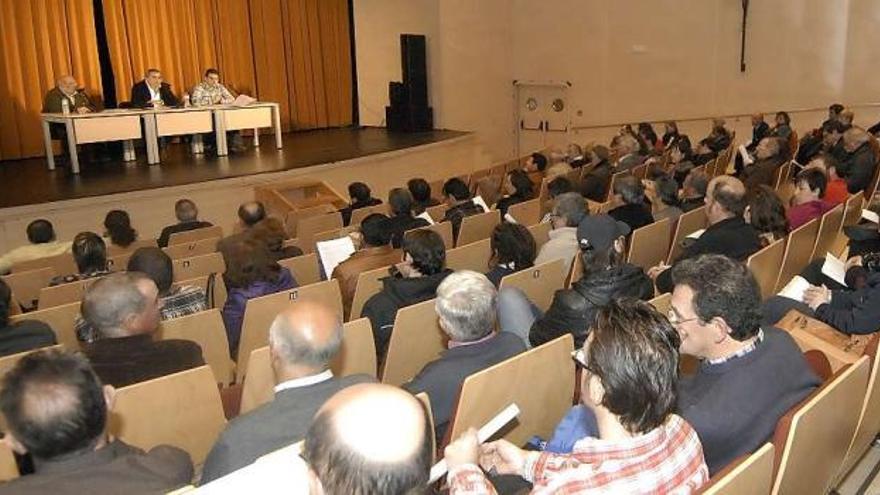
409, 110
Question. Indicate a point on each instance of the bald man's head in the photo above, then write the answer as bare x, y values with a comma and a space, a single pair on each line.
728, 193
251, 213
66, 84
368, 439
303, 339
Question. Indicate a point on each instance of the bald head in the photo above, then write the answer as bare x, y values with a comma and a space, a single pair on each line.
303, 339
251, 213
725, 198
67, 84
370, 438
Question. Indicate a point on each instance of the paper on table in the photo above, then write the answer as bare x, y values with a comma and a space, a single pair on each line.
334, 252
484, 433
243, 100
870, 216
480, 201
695, 235
834, 268
427, 217
795, 289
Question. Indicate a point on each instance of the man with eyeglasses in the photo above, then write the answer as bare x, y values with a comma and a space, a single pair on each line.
748, 376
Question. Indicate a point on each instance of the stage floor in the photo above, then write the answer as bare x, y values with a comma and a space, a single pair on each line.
27, 182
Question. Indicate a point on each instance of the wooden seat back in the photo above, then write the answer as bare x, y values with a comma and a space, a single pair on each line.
812, 334
437, 212
539, 283
206, 329
752, 474
765, 266
798, 250
539, 381
824, 423
182, 409
444, 229
416, 340
195, 235
308, 227
119, 262
369, 283
869, 418
649, 245
541, 234
198, 266
357, 355
8, 466
63, 264
61, 319
304, 268
527, 212
688, 223
358, 216
474, 256
190, 249
64, 293
26, 285
852, 212
662, 303
478, 227
259, 313
114, 250
426, 403
829, 228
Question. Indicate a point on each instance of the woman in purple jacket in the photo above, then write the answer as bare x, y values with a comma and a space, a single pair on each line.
251, 271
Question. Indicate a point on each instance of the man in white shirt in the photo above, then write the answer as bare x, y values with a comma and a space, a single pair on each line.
41, 236
302, 341
568, 211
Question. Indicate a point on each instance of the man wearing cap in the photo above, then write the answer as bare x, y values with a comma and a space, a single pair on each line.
606, 277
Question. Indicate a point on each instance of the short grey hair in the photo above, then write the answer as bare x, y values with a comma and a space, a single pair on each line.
466, 303
112, 299
570, 206
292, 349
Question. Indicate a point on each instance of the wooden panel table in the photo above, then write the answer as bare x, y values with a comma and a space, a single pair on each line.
97, 127
176, 122
254, 116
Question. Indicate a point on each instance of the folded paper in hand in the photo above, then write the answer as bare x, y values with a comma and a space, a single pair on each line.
695, 235
834, 269
795, 289
334, 252
870, 216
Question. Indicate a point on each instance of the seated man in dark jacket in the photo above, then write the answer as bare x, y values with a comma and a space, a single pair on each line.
124, 310
719, 138
361, 197
23, 335
57, 411
748, 376
635, 210
458, 197
606, 277
594, 185
466, 306
727, 234
153, 92
416, 280
402, 206
769, 157
187, 214
858, 164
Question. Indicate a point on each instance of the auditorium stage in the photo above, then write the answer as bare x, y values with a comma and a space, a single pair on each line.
29, 182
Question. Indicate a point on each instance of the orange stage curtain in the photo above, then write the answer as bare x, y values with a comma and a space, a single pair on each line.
42, 40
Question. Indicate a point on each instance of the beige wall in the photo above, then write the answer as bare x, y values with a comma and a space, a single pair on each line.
627, 60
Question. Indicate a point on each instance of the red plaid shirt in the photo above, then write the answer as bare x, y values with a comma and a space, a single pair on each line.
666, 460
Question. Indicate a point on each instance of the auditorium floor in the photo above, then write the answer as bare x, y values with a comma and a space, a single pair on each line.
26, 182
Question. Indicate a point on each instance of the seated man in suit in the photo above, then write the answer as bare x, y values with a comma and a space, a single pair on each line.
727, 233
249, 215
627, 149
466, 309
153, 92
634, 209
361, 197
369, 438
302, 342
458, 198
57, 411
858, 161
693, 192
124, 310
401, 204
769, 156
42, 244
66, 89
187, 214
749, 376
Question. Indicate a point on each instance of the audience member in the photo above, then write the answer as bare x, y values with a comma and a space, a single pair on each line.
681, 159
808, 202
760, 130
250, 214
627, 150
727, 233
629, 369
606, 277
153, 92
647, 135
57, 411
458, 198
782, 129
117, 226
302, 341
693, 192
575, 155
392, 455
414, 280
421, 193
846, 119
402, 219
187, 214
41, 236
670, 134
271, 233
22, 335
719, 137
78, 102
768, 158
748, 376
361, 197
559, 185
90, 255
466, 308
568, 211
634, 209
836, 189
535, 166
595, 183
124, 309
212, 92
827, 139
834, 112
513, 249
375, 252
519, 189
667, 194
766, 214
251, 272
857, 166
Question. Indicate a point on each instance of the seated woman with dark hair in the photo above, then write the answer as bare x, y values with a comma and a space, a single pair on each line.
513, 249
766, 214
421, 194
23, 335
519, 189
90, 254
361, 197
117, 226
251, 271
402, 219
808, 202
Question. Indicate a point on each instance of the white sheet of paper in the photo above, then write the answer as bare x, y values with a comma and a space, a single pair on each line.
744, 153
695, 235
509, 218
334, 252
427, 217
795, 289
834, 268
480, 201
278, 472
243, 100
870, 216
